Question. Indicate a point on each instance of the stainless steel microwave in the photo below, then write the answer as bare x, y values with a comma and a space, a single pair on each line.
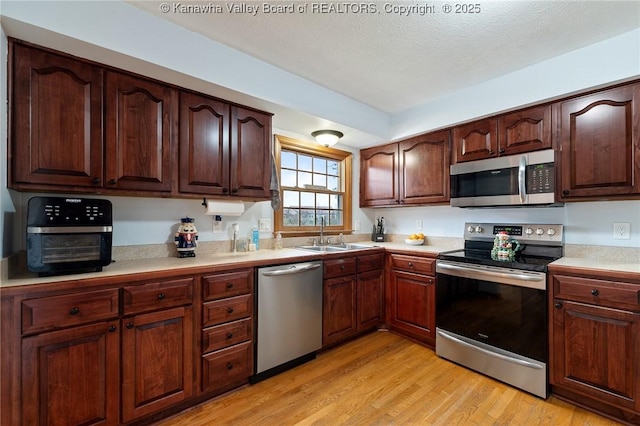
516, 180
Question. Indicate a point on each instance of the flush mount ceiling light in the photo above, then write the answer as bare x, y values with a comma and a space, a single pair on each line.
327, 137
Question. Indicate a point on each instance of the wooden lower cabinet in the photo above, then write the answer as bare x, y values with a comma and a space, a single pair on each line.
411, 297
595, 344
71, 377
352, 297
157, 361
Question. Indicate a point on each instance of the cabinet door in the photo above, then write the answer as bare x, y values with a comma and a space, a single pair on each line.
370, 300
139, 124
424, 169
56, 135
250, 157
596, 351
412, 305
379, 176
339, 319
71, 377
525, 131
204, 144
599, 141
157, 361
475, 141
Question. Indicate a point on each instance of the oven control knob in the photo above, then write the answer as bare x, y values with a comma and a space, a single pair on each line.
539, 231
479, 229
471, 229
551, 232
528, 231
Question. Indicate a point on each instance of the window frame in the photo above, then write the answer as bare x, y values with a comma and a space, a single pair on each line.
308, 148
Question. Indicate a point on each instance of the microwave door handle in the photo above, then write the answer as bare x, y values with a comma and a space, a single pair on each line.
522, 174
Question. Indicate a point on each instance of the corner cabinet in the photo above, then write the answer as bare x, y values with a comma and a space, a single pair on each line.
410, 296
509, 134
410, 172
595, 342
599, 139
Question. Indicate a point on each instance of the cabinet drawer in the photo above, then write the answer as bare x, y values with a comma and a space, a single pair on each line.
597, 292
339, 267
54, 312
370, 262
227, 367
157, 295
220, 286
420, 265
225, 310
221, 336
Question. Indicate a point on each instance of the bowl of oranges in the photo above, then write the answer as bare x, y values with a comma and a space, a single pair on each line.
415, 239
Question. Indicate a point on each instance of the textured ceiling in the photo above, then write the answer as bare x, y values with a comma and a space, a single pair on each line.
394, 59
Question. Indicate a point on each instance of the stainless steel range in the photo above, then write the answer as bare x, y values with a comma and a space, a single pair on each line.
491, 311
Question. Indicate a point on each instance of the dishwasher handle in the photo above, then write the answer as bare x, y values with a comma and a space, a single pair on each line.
291, 270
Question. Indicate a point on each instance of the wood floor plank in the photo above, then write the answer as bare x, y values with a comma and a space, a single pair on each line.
382, 379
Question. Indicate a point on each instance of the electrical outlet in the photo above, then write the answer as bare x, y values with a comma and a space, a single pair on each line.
418, 224
356, 225
217, 226
265, 225
621, 230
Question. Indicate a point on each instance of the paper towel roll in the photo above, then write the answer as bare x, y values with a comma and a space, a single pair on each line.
224, 208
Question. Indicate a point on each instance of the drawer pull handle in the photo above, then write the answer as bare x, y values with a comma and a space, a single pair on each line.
229, 335
112, 328
74, 311
229, 310
161, 296
410, 264
229, 285
229, 366
129, 325
558, 305
595, 292
342, 267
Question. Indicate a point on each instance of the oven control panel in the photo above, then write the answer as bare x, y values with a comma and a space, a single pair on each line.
542, 233
52, 211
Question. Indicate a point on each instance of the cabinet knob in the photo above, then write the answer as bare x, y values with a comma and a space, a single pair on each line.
229, 366
129, 325
112, 328
229, 284
595, 292
229, 310
342, 267
74, 311
229, 335
234, 190
491, 152
112, 181
558, 305
95, 181
410, 264
565, 192
225, 190
501, 150
161, 296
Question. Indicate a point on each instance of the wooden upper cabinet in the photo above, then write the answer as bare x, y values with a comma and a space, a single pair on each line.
525, 131
379, 176
250, 153
140, 117
475, 141
56, 128
204, 141
424, 168
600, 143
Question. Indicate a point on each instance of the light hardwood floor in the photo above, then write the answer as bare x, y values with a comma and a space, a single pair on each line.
382, 379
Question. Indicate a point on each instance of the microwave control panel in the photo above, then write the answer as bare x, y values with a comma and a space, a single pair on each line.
540, 178
47, 211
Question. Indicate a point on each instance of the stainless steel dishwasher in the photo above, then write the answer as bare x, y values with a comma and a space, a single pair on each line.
289, 317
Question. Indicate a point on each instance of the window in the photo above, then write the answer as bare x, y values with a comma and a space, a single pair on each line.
315, 185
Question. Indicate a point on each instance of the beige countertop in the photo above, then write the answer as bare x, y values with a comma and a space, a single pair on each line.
598, 264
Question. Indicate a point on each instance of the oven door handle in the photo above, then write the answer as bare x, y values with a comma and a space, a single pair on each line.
488, 352
488, 273
533, 280
68, 229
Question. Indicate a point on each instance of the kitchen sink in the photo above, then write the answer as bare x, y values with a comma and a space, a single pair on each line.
335, 248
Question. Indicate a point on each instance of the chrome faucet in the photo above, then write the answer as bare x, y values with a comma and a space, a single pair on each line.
322, 230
